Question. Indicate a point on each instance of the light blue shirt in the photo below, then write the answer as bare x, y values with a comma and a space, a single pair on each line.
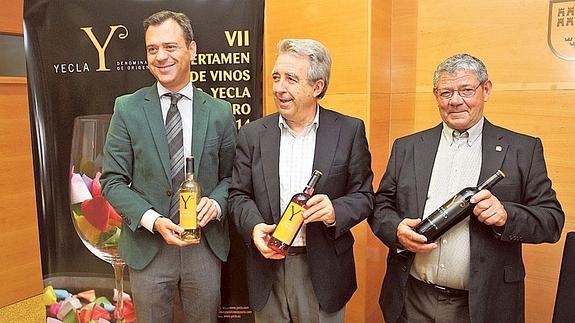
457, 166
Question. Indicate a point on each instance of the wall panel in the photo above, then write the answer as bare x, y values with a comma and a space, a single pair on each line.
11, 17
340, 25
509, 36
20, 252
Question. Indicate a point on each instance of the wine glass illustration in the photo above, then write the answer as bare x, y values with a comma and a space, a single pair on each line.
98, 225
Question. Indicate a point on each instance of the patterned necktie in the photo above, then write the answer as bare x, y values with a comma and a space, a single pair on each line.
175, 136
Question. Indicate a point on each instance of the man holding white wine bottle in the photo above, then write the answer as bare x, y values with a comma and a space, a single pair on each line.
151, 131
313, 163
474, 271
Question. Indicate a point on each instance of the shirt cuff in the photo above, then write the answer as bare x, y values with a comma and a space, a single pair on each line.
218, 208
330, 224
148, 219
497, 231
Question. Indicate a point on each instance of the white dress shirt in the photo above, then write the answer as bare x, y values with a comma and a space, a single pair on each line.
297, 152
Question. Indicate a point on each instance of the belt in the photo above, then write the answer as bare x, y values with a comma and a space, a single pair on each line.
446, 291
297, 250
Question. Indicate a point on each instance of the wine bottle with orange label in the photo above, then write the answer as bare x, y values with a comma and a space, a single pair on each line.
292, 218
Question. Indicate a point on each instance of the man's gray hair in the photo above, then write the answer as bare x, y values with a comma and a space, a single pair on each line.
180, 18
319, 56
464, 62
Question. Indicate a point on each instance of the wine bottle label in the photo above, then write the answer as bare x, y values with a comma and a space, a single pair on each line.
290, 222
188, 215
451, 202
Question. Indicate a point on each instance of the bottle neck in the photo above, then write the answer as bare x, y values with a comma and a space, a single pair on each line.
189, 168
494, 179
312, 181
308, 190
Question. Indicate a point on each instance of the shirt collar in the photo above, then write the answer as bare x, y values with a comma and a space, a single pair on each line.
187, 91
284, 126
474, 132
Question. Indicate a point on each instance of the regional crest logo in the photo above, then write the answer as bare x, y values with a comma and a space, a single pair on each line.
561, 30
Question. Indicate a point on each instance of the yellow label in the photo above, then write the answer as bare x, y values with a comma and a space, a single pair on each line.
290, 222
188, 214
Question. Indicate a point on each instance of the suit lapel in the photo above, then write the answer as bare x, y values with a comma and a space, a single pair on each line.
270, 154
493, 149
326, 141
201, 116
153, 112
424, 156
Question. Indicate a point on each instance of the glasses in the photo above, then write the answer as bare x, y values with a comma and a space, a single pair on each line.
466, 92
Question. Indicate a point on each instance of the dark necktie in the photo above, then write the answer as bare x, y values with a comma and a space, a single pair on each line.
175, 136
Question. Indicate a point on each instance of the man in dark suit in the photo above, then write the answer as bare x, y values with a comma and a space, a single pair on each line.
150, 132
275, 157
474, 272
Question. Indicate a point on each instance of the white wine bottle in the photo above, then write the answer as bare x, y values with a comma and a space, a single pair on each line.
189, 196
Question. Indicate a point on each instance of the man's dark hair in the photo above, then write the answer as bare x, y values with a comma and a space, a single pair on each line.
180, 18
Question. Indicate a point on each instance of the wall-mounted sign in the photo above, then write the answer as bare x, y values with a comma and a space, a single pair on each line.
561, 31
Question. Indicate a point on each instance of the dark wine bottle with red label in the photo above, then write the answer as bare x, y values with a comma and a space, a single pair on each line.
453, 211
292, 218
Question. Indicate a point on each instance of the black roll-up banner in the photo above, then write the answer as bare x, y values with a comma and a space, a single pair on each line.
80, 56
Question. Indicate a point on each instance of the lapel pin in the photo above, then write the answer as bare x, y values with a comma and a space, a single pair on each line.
498, 148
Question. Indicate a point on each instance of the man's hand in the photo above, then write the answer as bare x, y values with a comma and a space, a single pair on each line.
207, 211
489, 209
170, 231
261, 235
319, 208
410, 239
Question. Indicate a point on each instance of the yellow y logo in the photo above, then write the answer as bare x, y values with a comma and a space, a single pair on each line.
102, 48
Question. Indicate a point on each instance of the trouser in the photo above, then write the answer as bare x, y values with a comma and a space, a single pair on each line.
194, 270
431, 303
292, 298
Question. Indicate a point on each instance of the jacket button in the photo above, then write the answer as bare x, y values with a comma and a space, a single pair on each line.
169, 193
404, 268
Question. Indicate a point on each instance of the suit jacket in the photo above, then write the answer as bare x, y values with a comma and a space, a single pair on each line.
496, 282
136, 170
342, 155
